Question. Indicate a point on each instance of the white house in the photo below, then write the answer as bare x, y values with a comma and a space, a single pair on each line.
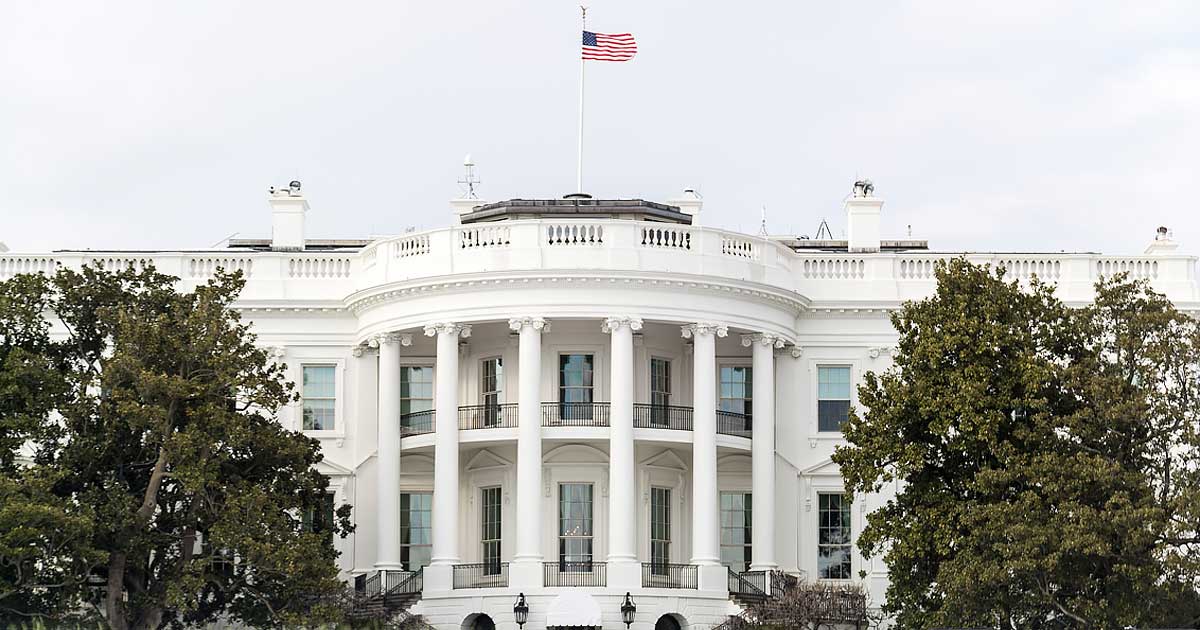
576, 398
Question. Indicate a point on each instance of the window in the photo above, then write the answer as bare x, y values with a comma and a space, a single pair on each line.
415, 529
491, 531
736, 519
575, 527
660, 391
319, 395
416, 396
319, 518
833, 537
736, 389
833, 397
491, 389
575, 386
660, 530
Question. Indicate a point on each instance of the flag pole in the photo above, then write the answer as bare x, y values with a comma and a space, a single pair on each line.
579, 163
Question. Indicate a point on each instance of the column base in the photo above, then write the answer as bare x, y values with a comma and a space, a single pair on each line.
713, 577
525, 574
439, 577
624, 574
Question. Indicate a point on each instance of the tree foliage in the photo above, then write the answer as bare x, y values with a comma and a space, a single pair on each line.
1046, 458
155, 470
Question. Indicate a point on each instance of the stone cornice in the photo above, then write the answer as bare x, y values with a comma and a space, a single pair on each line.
383, 294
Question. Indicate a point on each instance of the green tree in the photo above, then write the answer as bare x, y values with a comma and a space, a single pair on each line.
156, 459
1045, 456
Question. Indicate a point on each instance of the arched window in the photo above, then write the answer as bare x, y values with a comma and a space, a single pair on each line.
667, 622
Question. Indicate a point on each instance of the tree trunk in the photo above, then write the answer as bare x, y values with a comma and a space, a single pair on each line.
114, 606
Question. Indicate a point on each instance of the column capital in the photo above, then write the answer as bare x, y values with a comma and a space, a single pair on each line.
537, 323
797, 352
448, 328
616, 321
404, 339
701, 328
766, 339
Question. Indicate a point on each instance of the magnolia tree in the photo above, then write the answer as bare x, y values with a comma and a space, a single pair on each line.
1047, 457
144, 479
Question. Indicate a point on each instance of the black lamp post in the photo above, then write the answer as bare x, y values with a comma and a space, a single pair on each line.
628, 610
521, 611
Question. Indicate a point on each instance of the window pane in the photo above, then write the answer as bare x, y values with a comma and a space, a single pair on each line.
831, 414
833, 383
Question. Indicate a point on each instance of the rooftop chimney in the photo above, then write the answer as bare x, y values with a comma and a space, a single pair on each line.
288, 208
862, 217
1162, 243
689, 203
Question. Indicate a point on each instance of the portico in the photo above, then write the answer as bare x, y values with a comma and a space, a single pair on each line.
628, 436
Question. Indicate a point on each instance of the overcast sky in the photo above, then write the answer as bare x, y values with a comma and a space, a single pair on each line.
984, 125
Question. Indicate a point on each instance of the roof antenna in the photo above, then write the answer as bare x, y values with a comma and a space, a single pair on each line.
824, 229
762, 227
469, 180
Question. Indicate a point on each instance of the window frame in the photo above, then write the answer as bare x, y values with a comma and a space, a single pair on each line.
300, 360
405, 366
847, 508
817, 367
747, 526
747, 384
660, 497
560, 537
406, 548
491, 562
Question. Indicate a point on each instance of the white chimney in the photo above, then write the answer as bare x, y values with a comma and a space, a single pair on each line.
689, 203
1162, 244
863, 210
288, 208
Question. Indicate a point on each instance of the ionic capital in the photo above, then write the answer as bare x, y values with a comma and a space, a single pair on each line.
766, 339
695, 330
797, 352
616, 321
537, 323
448, 328
404, 339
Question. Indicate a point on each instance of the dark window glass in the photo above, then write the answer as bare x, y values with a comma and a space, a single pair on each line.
575, 527
833, 397
491, 531
416, 528
736, 519
660, 530
833, 537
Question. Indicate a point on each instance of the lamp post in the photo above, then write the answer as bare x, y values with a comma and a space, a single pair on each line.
628, 609
521, 611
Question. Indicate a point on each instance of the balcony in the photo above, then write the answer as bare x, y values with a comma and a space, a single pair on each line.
574, 574
663, 575
575, 414
593, 414
495, 416
481, 575
646, 416
733, 423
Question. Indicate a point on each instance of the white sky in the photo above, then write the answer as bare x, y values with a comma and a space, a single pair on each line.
985, 125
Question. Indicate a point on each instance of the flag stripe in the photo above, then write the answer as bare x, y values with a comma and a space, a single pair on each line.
608, 46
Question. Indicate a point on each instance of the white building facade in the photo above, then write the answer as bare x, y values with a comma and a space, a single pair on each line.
576, 399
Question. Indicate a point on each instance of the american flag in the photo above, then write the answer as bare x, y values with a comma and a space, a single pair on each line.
607, 47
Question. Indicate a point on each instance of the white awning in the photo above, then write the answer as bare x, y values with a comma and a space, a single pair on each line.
573, 608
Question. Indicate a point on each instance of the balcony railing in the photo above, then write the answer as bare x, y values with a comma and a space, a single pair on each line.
497, 416
663, 575
572, 414
647, 416
733, 423
574, 574
481, 575
416, 423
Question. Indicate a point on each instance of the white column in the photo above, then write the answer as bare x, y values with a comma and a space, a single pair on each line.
763, 450
445, 443
387, 461
623, 568
526, 569
706, 548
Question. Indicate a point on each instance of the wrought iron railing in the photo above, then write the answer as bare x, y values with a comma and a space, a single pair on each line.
752, 584
416, 423
664, 575
574, 574
734, 423
403, 582
648, 416
481, 575
495, 416
573, 414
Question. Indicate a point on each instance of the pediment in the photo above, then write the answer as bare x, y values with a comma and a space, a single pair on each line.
667, 458
416, 465
576, 454
486, 460
332, 469
823, 468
